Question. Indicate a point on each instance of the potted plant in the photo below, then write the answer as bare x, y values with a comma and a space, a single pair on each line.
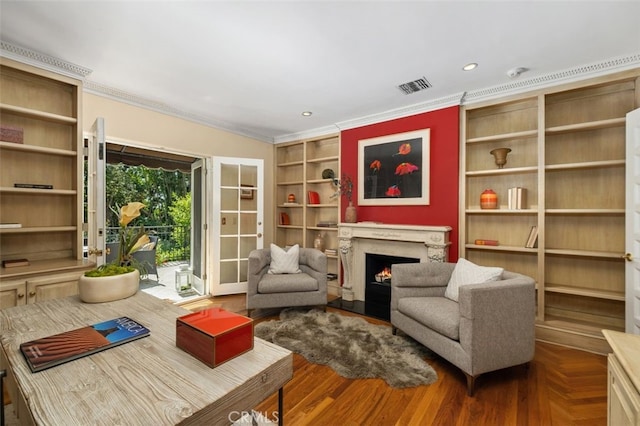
120, 278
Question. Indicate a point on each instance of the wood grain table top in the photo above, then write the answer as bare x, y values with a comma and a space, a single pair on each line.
147, 381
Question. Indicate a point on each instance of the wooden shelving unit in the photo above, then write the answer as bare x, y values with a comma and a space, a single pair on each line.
299, 167
46, 106
568, 150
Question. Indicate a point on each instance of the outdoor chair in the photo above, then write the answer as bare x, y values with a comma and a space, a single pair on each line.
146, 257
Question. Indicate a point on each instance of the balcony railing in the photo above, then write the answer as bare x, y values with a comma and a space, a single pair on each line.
174, 242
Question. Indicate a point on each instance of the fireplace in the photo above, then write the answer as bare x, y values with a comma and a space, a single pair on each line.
356, 240
378, 283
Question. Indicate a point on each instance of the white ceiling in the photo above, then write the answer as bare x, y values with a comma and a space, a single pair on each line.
254, 67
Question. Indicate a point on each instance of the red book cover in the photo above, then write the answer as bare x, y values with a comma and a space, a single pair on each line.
314, 197
486, 242
63, 347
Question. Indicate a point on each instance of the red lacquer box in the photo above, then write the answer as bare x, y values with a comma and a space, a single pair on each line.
214, 335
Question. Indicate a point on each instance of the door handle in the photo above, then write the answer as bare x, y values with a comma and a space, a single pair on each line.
95, 251
628, 257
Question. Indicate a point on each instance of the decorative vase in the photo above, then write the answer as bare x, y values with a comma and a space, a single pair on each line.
500, 155
108, 289
351, 214
488, 199
318, 243
291, 198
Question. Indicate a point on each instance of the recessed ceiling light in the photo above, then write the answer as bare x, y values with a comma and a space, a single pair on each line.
307, 113
470, 66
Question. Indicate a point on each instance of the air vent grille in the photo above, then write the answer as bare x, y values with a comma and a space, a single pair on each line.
415, 86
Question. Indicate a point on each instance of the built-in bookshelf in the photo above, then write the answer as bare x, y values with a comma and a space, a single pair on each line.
299, 171
568, 153
40, 183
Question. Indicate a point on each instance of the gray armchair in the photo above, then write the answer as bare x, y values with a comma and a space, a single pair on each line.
490, 327
307, 288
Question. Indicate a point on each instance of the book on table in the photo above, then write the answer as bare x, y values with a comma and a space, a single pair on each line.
63, 347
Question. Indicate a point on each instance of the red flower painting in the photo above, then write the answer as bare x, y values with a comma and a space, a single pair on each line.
393, 191
406, 168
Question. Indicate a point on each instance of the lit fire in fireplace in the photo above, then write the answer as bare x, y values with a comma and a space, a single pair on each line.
384, 275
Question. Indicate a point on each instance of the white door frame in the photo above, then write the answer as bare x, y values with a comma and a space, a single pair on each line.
215, 230
96, 192
632, 224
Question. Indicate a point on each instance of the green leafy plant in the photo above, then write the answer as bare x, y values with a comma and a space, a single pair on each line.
130, 240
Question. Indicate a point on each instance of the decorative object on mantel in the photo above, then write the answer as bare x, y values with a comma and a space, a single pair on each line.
291, 198
120, 279
346, 189
373, 350
500, 155
488, 199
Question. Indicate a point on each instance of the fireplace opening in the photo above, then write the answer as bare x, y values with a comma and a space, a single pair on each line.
377, 300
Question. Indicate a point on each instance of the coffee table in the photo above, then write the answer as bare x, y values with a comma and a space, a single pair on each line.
147, 381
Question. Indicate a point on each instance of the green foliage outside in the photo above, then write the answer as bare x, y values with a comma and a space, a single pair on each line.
166, 197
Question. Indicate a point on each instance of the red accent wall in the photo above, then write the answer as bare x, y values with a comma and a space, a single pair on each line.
444, 155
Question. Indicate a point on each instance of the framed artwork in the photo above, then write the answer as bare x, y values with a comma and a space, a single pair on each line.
246, 194
394, 170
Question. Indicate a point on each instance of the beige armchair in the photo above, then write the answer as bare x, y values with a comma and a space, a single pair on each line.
490, 327
307, 288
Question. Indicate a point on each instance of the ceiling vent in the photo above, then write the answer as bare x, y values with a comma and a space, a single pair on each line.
415, 86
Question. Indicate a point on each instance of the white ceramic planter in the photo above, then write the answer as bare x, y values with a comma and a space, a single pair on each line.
108, 289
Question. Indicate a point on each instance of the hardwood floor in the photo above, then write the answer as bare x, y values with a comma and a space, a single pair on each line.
561, 386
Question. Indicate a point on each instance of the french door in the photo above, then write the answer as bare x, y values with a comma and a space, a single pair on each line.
198, 225
632, 225
238, 199
96, 193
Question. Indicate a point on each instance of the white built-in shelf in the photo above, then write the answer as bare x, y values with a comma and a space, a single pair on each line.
37, 229
586, 165
585, 253
291, 163
505, 137
509, 171
502, 211
36, 149
10, 189
502, 248
589, 125
323, 159
292, 182
584, 211
599, 294
34, 113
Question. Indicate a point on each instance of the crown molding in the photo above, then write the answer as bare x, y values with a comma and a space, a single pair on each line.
568, 75
515, 87
40, 60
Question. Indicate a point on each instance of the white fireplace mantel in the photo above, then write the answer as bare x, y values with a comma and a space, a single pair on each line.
427, 243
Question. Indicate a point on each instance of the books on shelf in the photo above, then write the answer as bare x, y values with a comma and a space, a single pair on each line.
11, 134
314, 197
481, 242
10, 225
32, 186
331, 252
532, 240
517, 197
326, 224
63, 347
284, 219
14, 263
331, 276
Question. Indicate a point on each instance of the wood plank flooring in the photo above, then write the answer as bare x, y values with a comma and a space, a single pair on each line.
561, 386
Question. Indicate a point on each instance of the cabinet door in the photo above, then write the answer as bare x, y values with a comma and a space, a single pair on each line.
53, 287
624, 401
12, 293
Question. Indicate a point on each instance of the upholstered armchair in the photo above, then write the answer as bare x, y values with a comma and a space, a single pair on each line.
489, 327
308, 287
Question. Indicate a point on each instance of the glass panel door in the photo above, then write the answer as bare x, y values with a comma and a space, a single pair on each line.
238, 213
